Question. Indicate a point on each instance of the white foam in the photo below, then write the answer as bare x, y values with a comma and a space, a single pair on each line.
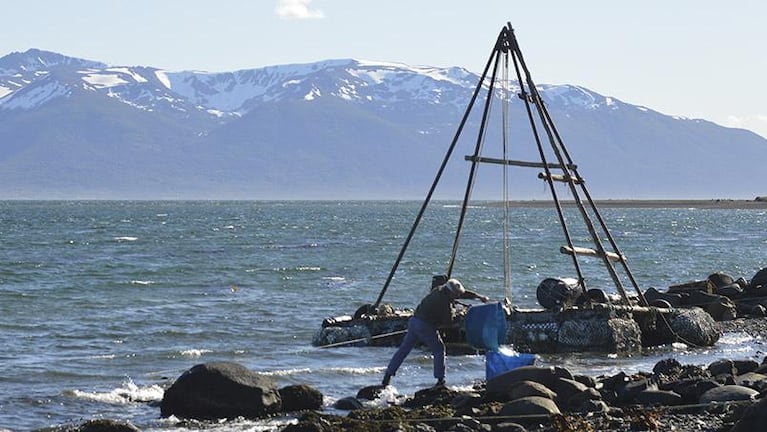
194, 352
126, 238
128, 393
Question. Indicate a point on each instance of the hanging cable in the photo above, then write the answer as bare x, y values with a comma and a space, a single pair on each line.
505, 98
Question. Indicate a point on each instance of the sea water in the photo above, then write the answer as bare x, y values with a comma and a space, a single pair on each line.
103, 304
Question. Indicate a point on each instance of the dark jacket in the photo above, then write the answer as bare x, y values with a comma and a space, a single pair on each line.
436, 308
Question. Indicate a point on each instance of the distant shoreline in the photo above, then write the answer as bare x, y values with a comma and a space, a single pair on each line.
623, 203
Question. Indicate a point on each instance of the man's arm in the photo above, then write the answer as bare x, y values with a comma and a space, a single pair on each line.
472, 295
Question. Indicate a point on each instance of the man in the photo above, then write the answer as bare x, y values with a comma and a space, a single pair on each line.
434, 311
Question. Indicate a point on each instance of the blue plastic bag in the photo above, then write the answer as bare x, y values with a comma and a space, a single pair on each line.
505, 359
486, 326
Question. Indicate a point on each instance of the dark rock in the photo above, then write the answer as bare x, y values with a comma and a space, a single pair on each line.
718, 280
728, 393
731, 291
544, 375
758, 311
593, 406
722, 367
370, 392
628, 392
752, 380
509, 427
673, 299
438, 395
348, 404
220, 390
760, 278
585, 380
691, 389
669, 367
526, 388
754, 418
300, 397
658, 397
745, 366
531, 405
581, 402
105, 425
612, 382
567, 388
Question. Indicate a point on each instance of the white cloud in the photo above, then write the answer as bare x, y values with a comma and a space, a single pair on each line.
297, 10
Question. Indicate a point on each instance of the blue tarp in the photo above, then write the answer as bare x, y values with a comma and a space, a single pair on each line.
486, 326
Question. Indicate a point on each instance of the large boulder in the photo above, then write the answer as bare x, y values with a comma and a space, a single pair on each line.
300, 397
728, 393
221, 390
754, 419
530, 406
501, 384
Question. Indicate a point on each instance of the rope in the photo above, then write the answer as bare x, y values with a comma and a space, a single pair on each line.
365, 339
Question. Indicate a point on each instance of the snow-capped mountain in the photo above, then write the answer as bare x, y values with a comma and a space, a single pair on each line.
74, 128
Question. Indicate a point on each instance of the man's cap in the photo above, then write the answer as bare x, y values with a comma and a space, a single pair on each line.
456, 287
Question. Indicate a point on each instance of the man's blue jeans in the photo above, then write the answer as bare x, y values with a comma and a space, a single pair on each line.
419, 330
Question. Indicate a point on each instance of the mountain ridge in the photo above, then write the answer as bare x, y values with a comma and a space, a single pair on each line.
341, 128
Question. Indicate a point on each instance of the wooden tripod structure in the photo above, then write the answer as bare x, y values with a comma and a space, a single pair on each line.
560, 169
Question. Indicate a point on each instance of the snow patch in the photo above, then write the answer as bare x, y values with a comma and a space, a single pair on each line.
4, 91
35, 97
103, 80
163, 78
138, 78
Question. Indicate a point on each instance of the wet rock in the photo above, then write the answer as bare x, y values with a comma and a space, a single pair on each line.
300, 397
99, 425
754, 418
439, 395
728, 393
220, 390
531, 405
669, 367
348, 404
370, 392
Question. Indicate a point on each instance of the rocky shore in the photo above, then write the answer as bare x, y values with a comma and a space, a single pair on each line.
726, 395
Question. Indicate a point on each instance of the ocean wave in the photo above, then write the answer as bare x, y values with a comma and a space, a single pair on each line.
126, 239
140, 282
286, 372
194, 352
128, 393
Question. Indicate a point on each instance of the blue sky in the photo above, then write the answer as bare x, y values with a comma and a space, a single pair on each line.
693, 58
